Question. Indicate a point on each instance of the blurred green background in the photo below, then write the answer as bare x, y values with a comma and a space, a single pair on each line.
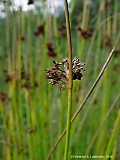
33, 112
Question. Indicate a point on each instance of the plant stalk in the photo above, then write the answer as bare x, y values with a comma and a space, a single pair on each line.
67, 145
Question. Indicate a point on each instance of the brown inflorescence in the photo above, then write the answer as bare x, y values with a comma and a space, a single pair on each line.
26, 85
24, 78
107, 3
62, 30
8, 78
59, 74
36, 84
51, 52
85, 33
25, 75
40, 30
62, 34
108, 41
22, 38
31, 130
4, 97
61, 27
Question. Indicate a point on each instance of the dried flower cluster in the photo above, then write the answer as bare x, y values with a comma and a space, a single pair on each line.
51, 48
25, 77
40, 30
59, 74
22, 38
85, 33
4, 97
108, 41
107, 3
62, 30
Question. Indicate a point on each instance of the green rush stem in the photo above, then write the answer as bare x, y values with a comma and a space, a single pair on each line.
114, 136
28, 120
11, 121
20, 99
84, 14
70, 83
8, 37
14, 41
114, 151
29, 45
68, 125
114, 27
105, 104
6, 136
57, 36
82, 40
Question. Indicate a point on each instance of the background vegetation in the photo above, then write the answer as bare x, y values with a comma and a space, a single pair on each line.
33, 112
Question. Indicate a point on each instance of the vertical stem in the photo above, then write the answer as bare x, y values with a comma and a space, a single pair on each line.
8, 37
70, 82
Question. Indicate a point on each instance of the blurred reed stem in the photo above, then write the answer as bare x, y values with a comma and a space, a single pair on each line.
114, 135
14, 40
11, 123
114, 151
19, 97
61, 124
83, 26
8, 36
29, 126
105, 104
115, 20
6, 135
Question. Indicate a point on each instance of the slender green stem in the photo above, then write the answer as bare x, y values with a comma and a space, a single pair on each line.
70, 83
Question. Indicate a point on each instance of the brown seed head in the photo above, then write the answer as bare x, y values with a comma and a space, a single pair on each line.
59, 74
